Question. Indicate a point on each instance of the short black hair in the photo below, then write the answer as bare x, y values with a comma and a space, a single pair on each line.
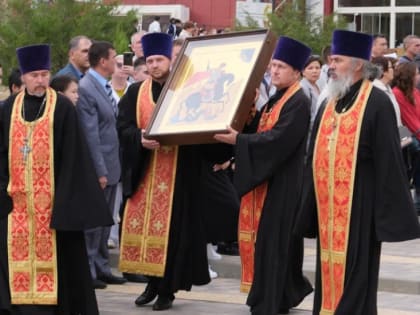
311, 59
375, 36
15, 79
139, 61
98, 50
61, 83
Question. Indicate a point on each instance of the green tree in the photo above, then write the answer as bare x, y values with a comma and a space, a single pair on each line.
292, 19
249, 24
56, 22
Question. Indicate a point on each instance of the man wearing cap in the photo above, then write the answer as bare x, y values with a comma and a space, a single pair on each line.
356, 193
162, 230
268, 176
48, 195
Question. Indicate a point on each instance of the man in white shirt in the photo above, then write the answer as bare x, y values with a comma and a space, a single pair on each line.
154, 27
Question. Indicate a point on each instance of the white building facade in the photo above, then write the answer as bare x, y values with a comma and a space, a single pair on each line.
393, 18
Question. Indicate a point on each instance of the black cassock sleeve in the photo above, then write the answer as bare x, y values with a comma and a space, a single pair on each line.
134, 157
394, 214
307, 219
79, 201
258, 155
5, 200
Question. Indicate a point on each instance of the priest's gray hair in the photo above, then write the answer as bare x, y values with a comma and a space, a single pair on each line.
369, 70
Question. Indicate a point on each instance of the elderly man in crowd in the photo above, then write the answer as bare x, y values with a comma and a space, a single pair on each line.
412, 48
78, 57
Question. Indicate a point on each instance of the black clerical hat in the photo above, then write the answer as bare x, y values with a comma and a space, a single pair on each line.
157, 44
352, 44
292, 52
34, 58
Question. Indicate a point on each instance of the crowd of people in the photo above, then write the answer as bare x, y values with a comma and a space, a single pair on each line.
320, 156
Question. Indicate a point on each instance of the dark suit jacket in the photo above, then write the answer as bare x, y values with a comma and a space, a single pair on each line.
99, 123
69, 69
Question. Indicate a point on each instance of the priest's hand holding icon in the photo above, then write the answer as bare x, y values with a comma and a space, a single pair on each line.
253, 110
229, 137
149, 144
103, 181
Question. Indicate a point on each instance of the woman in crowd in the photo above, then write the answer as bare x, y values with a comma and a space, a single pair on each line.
66, 85
408, 97
310, 75
383, 79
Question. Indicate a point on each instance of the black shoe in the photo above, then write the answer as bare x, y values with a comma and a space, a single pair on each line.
132, 277
98, 284
283, 311
147, 296
163, 302
111, 279
228, 248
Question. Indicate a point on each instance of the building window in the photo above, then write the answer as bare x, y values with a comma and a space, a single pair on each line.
376, 23
406, 24
365, 3
407, 2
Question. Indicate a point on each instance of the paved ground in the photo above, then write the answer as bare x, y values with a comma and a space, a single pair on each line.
399, 287
399, 271
223, 297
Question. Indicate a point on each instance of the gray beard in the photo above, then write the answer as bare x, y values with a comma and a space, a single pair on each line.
339, 87
37, 94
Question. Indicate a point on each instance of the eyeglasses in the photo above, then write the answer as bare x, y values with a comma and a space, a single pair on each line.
119, 65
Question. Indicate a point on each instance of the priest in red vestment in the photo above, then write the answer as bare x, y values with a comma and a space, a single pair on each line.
268, 176
356, 193
49, 194
163, 231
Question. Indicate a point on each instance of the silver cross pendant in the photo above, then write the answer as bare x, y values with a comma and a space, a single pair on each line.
26, 149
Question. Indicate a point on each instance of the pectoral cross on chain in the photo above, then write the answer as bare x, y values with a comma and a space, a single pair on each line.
25, 149
330, 140
331, 136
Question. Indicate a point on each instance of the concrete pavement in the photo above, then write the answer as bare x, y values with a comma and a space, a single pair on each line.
399, 271
222, 297
399, 287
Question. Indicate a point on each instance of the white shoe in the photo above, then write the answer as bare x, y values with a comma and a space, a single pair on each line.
212, 273
111, 244
211, 253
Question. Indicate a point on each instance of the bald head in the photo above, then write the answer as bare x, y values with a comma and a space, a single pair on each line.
136, 45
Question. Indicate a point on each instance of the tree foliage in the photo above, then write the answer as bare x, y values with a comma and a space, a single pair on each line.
56, 22
249, 24
292, 19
